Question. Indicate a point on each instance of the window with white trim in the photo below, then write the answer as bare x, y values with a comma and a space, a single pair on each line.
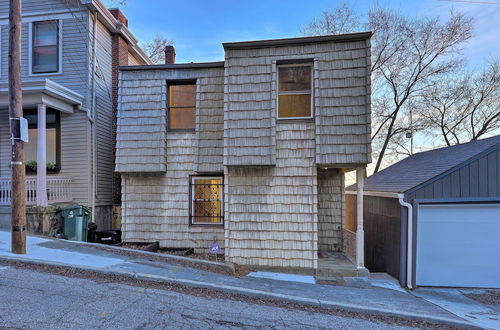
206, 194
295, 91
45, 47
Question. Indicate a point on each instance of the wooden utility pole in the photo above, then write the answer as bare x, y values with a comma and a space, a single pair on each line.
15, 113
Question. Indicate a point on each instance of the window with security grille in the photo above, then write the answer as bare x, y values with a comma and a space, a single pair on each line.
206, 200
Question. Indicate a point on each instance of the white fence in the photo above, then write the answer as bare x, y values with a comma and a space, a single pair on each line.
58, 190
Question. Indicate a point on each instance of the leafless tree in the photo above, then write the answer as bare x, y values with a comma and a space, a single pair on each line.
341, 20
408, 56
461, 109
155, 48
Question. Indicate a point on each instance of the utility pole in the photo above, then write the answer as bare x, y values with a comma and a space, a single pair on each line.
15, 115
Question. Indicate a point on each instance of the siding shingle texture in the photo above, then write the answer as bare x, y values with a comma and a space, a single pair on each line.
330, 209
155, 206
272, 212
141, 136
341, 102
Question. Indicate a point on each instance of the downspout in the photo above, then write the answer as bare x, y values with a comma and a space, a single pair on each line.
409, 240
93, 123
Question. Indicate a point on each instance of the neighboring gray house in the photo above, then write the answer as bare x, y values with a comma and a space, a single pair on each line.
70, 54
249, 152
447, 202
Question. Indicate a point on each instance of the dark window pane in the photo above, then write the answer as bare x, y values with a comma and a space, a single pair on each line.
294, 78
45, 47
182, 118
182, 95
294, 106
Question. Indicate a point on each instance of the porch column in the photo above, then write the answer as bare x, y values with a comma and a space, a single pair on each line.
360, 233
41, 158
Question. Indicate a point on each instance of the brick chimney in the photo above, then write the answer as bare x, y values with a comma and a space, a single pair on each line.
117, 13
169, 54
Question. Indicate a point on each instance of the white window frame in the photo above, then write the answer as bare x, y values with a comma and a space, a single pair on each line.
60, 49
191, 215
278, 93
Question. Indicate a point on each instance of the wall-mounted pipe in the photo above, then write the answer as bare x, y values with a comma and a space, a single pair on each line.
409, 240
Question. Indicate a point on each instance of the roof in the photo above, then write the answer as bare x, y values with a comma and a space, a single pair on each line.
113, 25
424, 166
295, 41
200, 65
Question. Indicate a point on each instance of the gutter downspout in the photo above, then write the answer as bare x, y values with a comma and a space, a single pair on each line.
409, 240
93, 122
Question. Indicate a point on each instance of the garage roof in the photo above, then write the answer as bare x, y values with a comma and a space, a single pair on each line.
421, 167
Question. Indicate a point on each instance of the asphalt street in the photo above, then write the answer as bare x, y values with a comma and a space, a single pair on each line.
30, 299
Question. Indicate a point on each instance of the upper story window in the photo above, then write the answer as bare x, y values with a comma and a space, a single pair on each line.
181, 106
45, 47
295, 91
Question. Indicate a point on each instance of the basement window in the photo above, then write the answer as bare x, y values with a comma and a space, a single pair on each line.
295, 91
206, 194
181, 106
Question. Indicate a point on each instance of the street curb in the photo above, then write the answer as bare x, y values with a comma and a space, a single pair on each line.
224, 266
258, 293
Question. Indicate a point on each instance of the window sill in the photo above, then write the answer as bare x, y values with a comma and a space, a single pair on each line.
301, 120
206, 225
31, 74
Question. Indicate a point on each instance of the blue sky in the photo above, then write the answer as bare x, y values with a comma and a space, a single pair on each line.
199, 27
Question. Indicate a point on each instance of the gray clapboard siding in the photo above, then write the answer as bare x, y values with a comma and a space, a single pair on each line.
272, 212
4, 143
341, 102
104, 120
29, 6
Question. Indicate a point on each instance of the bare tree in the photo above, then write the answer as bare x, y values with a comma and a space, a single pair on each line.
408, 56
155, 48
461, 109
341, 20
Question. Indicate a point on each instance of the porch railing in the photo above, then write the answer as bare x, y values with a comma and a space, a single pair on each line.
58, 190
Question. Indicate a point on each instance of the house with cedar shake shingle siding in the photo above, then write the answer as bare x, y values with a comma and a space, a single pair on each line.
249, 152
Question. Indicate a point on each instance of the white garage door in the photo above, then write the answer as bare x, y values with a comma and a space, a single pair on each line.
458, 245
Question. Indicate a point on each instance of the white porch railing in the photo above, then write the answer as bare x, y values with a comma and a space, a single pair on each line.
58, 190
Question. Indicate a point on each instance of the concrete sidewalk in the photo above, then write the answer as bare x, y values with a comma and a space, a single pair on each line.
367, 298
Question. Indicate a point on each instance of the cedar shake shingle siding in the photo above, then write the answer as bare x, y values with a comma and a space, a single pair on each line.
156, 164
283, 178
271, 212
341, 86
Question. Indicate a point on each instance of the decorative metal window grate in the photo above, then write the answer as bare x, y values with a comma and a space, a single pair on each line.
206, 200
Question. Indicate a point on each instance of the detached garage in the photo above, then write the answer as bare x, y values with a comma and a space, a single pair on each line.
433, 219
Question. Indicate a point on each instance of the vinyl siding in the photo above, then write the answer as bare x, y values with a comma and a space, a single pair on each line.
104, 127
75, 128
4, 143
479, 178
39, 6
